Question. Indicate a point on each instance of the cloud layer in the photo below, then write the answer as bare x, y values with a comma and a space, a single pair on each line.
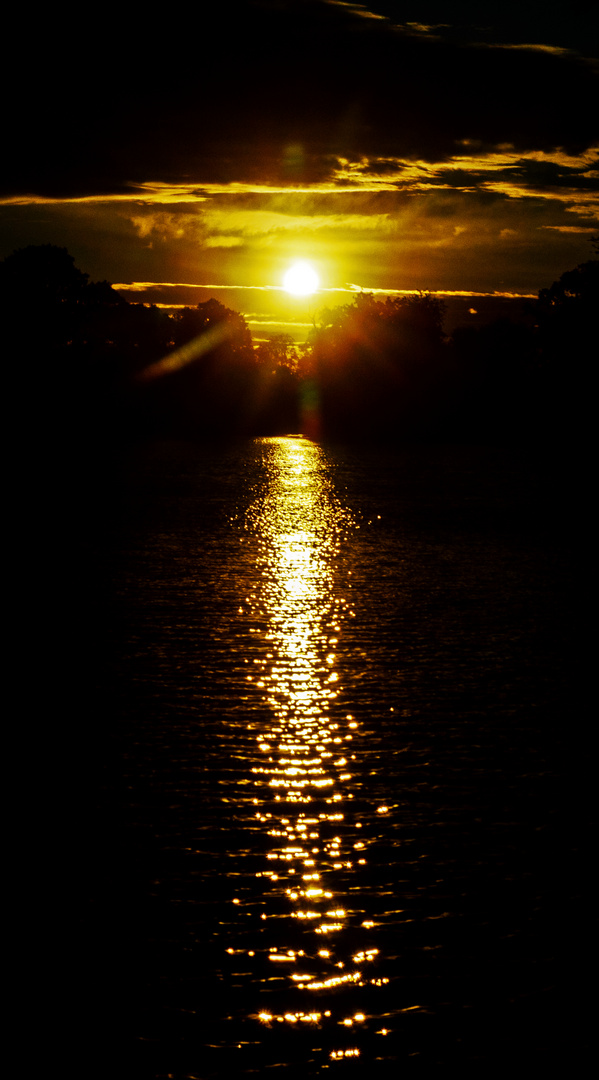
397, 152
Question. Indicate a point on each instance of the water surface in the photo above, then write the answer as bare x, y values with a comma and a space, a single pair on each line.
339, 677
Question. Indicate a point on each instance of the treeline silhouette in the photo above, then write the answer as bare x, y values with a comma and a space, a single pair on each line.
384, 370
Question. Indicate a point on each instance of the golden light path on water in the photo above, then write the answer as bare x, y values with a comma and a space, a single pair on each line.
302, 776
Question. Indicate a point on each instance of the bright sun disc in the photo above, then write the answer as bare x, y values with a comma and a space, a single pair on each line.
301, 279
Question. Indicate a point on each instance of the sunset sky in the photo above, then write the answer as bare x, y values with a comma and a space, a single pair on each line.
394, 146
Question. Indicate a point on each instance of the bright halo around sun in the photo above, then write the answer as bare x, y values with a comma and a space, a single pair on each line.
301, 279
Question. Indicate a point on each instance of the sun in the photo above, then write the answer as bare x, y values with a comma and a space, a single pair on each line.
301, 279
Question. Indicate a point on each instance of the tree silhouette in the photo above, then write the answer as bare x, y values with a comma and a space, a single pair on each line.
48, 305
567, 313
41, 276
378, 363
567, 334
204, 382
495, 381
190, 323
573, 298
278, 392
88, 363
277, 351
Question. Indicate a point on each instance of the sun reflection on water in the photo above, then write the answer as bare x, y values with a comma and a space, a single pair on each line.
303, 767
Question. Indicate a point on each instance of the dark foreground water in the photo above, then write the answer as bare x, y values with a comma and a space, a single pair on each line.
341, 697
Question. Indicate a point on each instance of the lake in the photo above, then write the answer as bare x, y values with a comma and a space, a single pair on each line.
340, 679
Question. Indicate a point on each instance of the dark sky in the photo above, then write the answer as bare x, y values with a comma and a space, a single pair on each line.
393, 145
